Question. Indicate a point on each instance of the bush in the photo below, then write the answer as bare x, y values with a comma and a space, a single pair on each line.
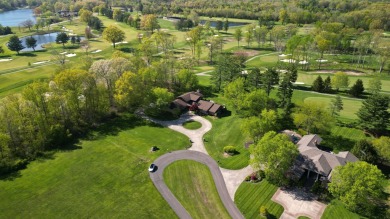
231, 150
263, 211
247, 178
261, 174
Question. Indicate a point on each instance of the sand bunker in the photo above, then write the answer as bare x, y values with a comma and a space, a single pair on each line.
5, 60
63, 53
71, 55
321, 60
124, 42
298, 82
303, 62
37, 63
96, 51
288, 60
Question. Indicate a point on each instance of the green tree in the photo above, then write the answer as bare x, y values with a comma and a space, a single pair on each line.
374, 85
31, 42
373, 114
336, 105
227, 69
340, 80
219, 26
149, 22
226, 25
113, 34
382, 147
161, 97
285, 90
193, 37
62, 38
357, 89
235, 93
254, 103
313, 118
327, 85
14, 44
186, 80
276, 154
269, 79
318, 84
238, 36
365, 151
130, 91
85, 15
357, 184
256, 127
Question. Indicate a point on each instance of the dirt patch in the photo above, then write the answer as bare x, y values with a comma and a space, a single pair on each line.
226, 155
348, 72
247, 53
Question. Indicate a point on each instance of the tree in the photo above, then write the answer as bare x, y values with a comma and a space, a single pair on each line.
270, 78
327, 85
336, 105
256, 127
62, 38
365, 151
318, 84
277, 34
161, 97
276, 154
374, 85
357, 89
235, 92
219, 25
226, 25
285, 90
149, 22
340, 80
31, 42
28, 24
313, 118
357, 184
130, 92
14, 44
238, 36
373, 114
85, 15
254, 103
382, 147
113, 34
194, 36
249, 34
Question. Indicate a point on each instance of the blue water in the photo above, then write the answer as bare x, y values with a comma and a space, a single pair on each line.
231, 24
15, 17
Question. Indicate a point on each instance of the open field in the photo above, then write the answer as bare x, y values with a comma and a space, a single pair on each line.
103, 177
192, 184
251, 196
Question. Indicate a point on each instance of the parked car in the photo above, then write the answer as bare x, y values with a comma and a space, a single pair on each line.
152, 167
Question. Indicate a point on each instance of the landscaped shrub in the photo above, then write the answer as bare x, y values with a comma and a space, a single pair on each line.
261, 174
247, 178
231, 150
263, 211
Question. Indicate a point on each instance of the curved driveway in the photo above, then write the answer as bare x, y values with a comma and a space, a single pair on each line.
165, 160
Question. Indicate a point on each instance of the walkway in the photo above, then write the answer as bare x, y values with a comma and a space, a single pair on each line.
165, 160
298, 203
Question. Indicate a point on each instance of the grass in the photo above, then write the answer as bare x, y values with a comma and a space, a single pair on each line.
226, 131
303, 217
192, 184
251, 196
337, 210
103, 177
192, 125
351, 106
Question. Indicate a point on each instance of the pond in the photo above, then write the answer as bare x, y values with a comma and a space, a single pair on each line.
231, 24
15, 17
41, 40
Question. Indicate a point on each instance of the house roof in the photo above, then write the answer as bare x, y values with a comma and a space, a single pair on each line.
191, 96
205, 105
180, 103
317, 160
214, 108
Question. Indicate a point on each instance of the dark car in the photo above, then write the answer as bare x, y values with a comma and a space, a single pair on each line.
152, 167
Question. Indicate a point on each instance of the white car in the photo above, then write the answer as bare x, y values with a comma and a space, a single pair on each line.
152, 167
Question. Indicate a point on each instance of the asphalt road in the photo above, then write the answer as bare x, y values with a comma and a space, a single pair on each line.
165, 160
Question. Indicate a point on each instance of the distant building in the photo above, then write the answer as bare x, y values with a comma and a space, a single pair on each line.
311, 159
193, 101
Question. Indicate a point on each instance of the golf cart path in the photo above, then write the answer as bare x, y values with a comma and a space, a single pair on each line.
165, 160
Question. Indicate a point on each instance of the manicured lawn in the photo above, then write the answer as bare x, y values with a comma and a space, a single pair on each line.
193, 125
251, 196
337, 210
105, 177
192, 184
351, 106
303, 217
226, 131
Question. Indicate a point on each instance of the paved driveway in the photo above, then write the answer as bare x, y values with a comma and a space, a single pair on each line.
296, 203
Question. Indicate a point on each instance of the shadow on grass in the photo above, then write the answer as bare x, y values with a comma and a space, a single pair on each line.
337, 143
27, 54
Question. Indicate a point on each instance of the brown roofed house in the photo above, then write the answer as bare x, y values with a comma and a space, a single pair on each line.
191, 97
205, 106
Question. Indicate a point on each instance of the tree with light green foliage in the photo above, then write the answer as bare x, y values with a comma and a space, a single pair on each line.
382, 147
374, 85
336, 105
359, 185
340, 80
274, 153
161, 97
235, 93
238, 36
256, 127
313, 118
113, 34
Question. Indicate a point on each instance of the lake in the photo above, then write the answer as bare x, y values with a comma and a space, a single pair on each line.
15, 17
231, 24
41, 40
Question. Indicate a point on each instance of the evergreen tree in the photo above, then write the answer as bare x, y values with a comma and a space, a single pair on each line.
226, 25
73, 39
327, 85
285, 91
357, 89
269, 79
62, 38
374, 115
336, 105
31, 42
365, 151
14, 44
219, 26
318, 84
